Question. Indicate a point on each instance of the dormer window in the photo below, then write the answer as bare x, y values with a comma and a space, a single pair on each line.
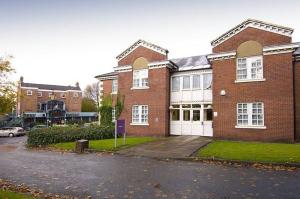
29, 92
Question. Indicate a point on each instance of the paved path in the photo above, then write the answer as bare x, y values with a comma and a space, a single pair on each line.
171, 147
107, 176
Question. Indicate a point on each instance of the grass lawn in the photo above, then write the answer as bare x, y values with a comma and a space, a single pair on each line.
107, 144
4, 194
252, 151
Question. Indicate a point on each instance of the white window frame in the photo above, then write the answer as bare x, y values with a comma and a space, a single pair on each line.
29, 92
75, 94
140, 79
177, 88
200, 81
39, 94
250, 113
190, 85
140, 115
114, 86
62, 95
249, 61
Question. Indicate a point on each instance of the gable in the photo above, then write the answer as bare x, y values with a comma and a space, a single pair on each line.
265, 38
141, 51
262, 32
137, 45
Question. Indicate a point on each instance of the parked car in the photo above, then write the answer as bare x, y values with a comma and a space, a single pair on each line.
11, 131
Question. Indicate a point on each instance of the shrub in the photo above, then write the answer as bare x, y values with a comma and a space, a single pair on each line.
45, 136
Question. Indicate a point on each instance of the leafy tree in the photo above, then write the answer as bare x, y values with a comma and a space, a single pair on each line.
7, 88
88, 105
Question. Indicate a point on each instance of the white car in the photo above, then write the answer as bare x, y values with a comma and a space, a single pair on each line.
11, 131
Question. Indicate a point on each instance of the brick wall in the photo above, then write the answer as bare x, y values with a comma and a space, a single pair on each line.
30, 103
276, 93
297, 98
156, 97
265, 38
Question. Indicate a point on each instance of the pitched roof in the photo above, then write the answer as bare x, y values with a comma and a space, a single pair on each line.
50, 87
145, 44
111, 74
255, 24
190, 63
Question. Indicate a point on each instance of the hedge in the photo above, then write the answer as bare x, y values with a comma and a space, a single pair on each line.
45, 136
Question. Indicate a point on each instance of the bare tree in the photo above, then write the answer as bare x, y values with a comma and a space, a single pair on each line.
91, 91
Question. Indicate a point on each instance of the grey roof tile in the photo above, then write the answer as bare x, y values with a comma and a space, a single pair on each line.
194, 61
50, 87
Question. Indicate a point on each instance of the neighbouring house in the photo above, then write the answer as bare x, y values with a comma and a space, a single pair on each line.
51, 104
248, 88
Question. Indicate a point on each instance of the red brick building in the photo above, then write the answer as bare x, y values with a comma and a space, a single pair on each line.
248, 88
43, 103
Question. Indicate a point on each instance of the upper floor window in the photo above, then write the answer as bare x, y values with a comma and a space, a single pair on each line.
114, 87
63, 95
29, 92
140, 78
75, 94
175, 84
249, 68
194, 82
250, 114
39, 94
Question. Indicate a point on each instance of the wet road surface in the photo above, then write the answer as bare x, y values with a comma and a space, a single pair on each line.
117, 176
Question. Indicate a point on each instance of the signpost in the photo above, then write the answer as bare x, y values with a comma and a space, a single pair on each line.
120, 130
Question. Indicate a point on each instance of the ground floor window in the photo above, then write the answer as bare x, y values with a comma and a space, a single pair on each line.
191, 112
140, 114
250, 114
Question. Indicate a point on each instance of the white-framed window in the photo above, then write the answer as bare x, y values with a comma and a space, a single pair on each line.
140, 114
186, 82
75, 94
29, 92
249, 68
114, 86
113, 114
140, 78
63, 95
175, 83
207, 80
39, 94
196, 82
250, 114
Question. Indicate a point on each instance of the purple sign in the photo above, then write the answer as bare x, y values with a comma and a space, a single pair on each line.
121, 127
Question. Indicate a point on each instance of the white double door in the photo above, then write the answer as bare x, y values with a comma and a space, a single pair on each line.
193, 121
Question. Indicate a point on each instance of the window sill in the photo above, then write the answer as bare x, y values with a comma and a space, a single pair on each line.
140, 88
114, 93
250, 127
139, 124
249, 80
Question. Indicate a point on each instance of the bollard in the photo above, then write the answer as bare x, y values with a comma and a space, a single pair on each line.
81, 145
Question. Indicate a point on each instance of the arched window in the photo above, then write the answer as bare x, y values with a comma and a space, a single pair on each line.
140, 73
249, 63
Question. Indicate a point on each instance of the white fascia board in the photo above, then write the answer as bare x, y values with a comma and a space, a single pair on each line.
226, 55
203, 67
29, 87
121, 69
280, 47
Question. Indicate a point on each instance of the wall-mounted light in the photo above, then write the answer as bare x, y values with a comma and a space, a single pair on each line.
223, 93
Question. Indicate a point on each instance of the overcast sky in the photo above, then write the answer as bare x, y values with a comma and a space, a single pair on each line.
64, 41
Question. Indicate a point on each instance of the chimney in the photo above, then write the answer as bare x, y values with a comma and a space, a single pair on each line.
77, 84
21, 79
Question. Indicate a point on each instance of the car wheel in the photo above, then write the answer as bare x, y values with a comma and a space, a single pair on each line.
11, 135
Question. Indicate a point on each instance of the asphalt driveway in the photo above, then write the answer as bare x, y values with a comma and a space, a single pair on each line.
118, 176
